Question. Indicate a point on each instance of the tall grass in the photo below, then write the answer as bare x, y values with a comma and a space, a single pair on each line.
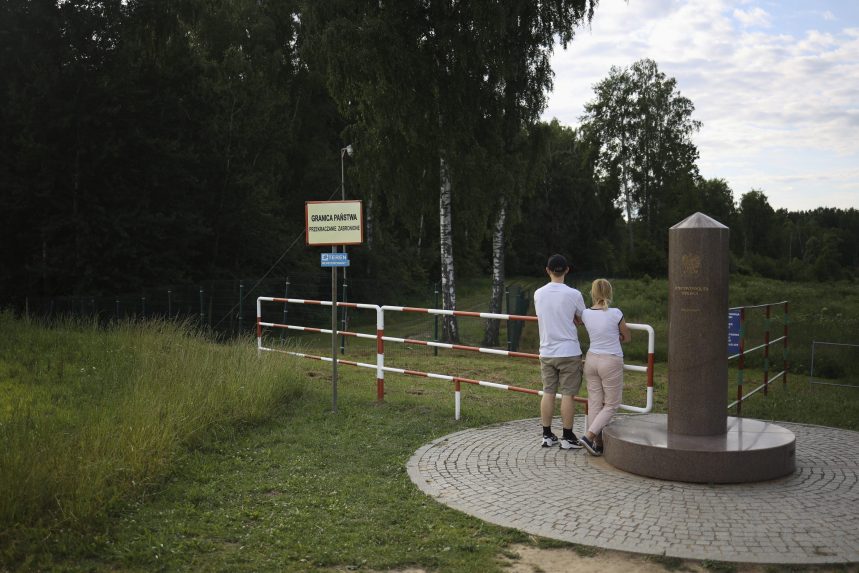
89, 415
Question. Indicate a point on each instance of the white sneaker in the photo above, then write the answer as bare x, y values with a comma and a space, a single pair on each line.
549, 441
571, 443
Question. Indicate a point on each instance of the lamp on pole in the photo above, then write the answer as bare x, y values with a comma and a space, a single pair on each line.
343, 153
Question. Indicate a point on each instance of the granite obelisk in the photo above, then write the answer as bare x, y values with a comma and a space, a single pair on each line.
698, 326
697, 441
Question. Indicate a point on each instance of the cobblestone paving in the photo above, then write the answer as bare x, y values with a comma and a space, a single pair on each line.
501, 474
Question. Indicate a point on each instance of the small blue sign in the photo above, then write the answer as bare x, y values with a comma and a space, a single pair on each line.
334, 259
733, 332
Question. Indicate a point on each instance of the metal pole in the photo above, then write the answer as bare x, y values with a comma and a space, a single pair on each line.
507, 327
170, 303
435, 322
811, 369
343, 153
786, 321
334, 334
767, 351
241, 297
202, 310
345, 321
285, 295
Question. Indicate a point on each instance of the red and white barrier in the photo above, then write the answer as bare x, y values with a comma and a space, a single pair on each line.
380, 328
651, 345
457, 380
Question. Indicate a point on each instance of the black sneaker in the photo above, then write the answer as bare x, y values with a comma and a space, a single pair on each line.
590, 447
549, 441
571, 443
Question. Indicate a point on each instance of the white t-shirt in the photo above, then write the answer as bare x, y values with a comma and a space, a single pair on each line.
556, 305
603, 330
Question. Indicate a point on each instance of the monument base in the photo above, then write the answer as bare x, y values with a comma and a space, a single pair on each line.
750, 451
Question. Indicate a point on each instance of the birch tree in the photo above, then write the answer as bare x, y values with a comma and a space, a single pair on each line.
523, 77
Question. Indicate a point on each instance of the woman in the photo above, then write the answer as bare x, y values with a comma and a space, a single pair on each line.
607, 329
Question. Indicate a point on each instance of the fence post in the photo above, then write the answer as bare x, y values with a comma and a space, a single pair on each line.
435, 321
116, 314
380, 354
143, 306
259, 328
507, 326
285, 295
767, 351
741, 362
202, 310
241, 298
786, 362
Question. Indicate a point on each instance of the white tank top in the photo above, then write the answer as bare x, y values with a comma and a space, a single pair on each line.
603, 330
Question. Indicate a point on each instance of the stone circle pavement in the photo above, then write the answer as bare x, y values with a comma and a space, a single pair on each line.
501, 474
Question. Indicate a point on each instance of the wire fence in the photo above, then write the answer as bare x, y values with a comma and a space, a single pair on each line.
227, 308
834, 360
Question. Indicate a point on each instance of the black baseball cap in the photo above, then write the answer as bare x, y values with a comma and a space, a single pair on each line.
557, 264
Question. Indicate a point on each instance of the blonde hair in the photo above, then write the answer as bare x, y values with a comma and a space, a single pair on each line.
601, 293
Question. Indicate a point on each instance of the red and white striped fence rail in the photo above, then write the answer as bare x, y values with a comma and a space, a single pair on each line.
457, 380
743, 351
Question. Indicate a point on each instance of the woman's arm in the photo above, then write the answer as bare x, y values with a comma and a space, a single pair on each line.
625, 333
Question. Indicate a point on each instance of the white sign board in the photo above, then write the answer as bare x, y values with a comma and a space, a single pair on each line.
333, 223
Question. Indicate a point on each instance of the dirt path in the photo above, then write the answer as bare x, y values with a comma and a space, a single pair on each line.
530, 559
588, 560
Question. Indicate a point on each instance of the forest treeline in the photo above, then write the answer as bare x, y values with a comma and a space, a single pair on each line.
149, 143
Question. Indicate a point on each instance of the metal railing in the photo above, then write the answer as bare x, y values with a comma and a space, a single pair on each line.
765, 347
381, 338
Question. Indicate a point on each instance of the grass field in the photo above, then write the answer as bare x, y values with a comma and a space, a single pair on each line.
145, 447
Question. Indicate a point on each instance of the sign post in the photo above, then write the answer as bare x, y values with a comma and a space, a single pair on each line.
332, 223
334, 335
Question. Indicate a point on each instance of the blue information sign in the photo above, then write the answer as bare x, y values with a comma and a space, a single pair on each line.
335, 259
733, 332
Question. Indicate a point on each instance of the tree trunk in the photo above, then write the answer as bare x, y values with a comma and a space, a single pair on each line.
628, 201
627, 193
490, 335
450, 328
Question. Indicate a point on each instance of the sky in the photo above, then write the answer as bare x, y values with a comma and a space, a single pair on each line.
775, 84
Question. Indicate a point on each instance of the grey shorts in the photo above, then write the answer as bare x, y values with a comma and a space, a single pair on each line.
561, 373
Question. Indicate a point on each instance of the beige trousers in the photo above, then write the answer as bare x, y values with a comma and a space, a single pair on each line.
604, 374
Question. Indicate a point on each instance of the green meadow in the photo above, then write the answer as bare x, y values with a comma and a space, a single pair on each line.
146, 446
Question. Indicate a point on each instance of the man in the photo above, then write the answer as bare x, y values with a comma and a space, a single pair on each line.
559, 310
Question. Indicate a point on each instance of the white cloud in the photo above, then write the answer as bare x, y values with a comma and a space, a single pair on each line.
755, 17
768, 97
